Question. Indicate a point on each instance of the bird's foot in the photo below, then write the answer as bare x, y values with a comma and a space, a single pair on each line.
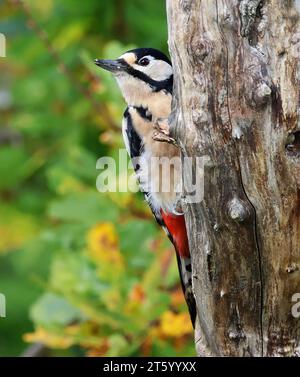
162, 132
160, 136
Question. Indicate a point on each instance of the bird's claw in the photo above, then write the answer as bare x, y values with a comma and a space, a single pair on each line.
162, 137
162, 132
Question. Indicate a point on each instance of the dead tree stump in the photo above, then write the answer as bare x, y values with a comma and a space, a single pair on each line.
236, 101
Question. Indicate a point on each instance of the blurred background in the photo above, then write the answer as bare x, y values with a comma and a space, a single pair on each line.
83, 273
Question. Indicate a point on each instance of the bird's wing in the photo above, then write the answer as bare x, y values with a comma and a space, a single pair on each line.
173, 225
134, 147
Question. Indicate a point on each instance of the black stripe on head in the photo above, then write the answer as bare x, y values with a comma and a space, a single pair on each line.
141, 52
155, 85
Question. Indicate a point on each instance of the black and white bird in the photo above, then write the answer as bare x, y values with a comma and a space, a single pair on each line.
145, 77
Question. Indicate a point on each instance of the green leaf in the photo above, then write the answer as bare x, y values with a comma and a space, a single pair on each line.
85, 207
136, 237
53, 310
12, 166
74, 275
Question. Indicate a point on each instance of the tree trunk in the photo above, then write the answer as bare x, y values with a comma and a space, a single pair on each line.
236, 67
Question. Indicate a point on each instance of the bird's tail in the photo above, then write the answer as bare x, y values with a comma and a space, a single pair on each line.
176, 227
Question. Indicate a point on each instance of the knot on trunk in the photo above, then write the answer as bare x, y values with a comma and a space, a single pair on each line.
258, 88
238, 210
262, 94
248, 9
200, 48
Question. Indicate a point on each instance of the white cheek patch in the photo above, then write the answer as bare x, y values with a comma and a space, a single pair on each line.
129, 57
157, 70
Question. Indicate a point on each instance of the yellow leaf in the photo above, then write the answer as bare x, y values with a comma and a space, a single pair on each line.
15, 228
175, 325
51, 340
103, 244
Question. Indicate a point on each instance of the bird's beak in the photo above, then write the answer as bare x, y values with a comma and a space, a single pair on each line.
113, 66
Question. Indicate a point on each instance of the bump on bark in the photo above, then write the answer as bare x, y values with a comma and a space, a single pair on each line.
248, 9
238, 210
292, 268
257, 82
262, 94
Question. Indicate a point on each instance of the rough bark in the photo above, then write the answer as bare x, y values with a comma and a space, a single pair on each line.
237, 76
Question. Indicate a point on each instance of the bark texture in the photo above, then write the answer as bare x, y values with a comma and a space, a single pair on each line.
237, 74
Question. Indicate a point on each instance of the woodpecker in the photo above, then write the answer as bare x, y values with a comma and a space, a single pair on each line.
145, 78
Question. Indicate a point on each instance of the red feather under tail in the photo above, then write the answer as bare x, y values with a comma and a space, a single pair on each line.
177, 228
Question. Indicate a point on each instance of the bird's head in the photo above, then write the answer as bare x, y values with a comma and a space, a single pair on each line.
140, 73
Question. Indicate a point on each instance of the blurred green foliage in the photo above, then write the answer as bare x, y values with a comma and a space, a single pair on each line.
85, 272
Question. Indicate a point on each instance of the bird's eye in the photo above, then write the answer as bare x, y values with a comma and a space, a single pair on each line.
144, 62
